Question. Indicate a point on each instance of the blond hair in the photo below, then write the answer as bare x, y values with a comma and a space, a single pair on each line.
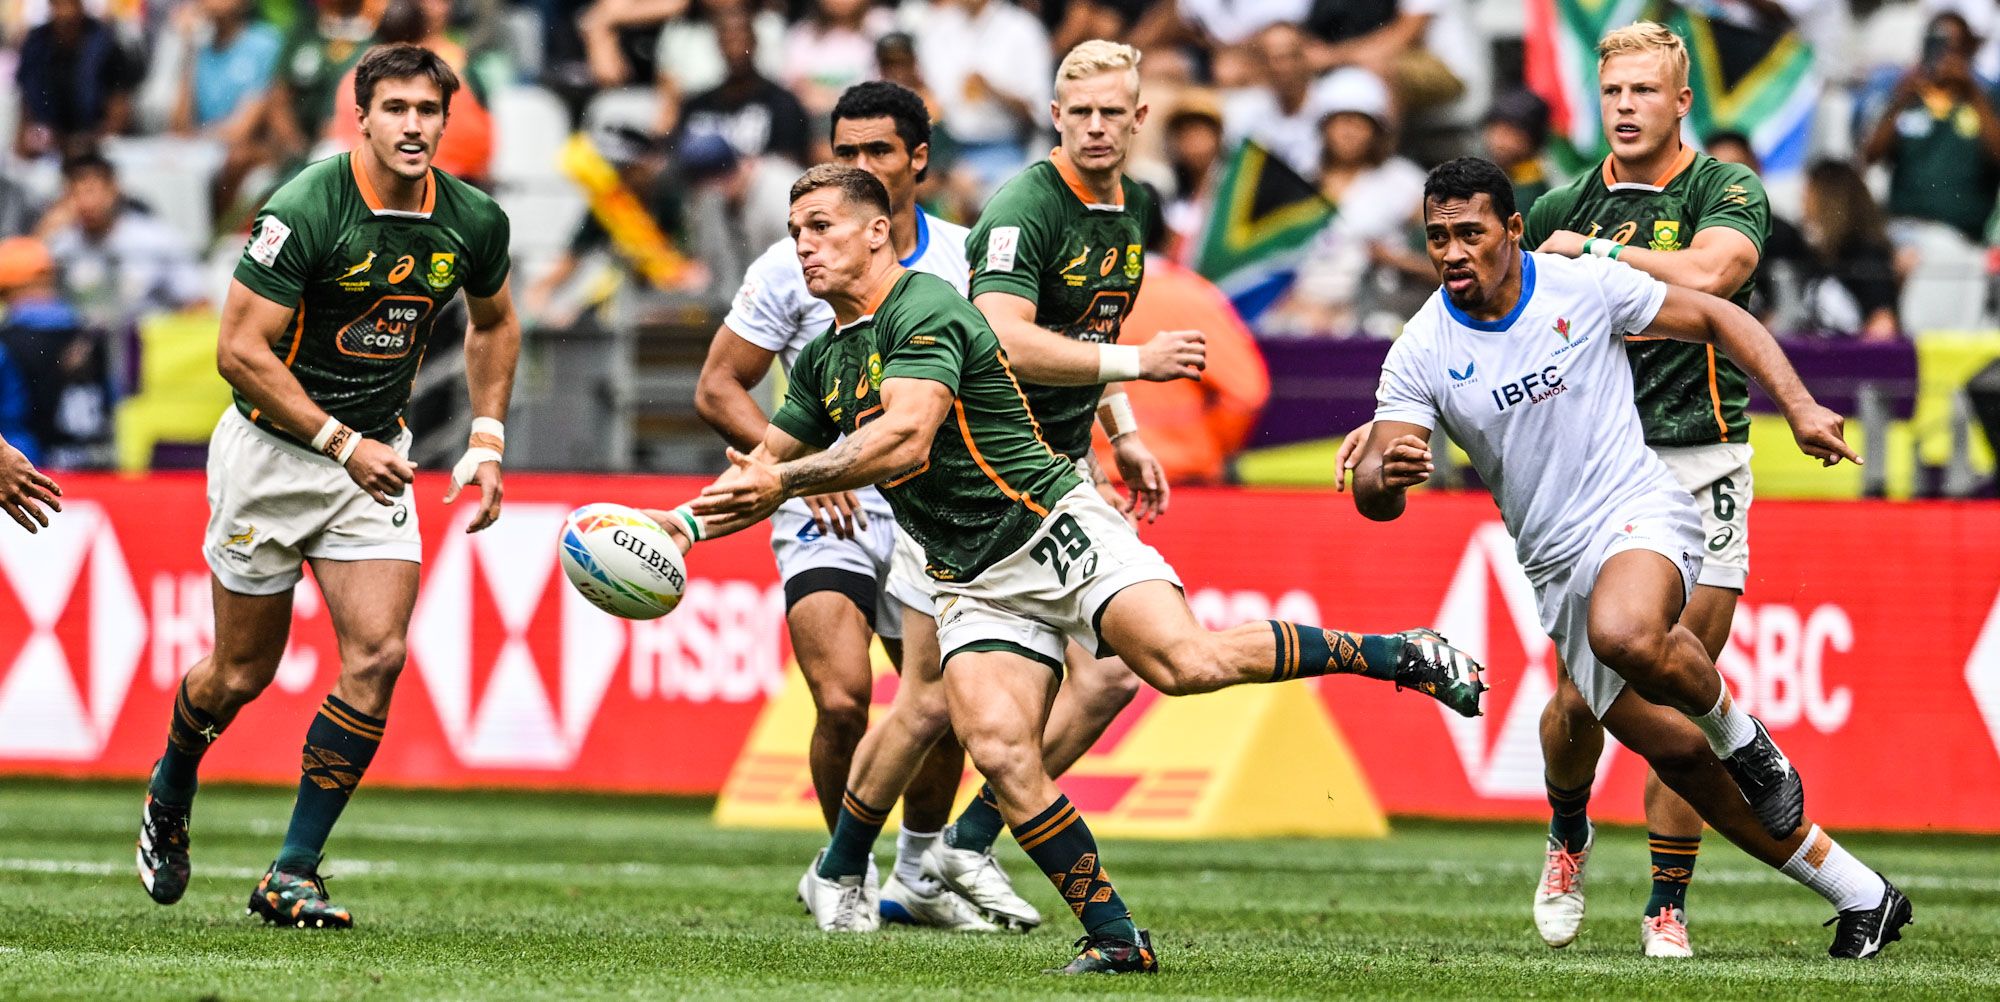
1647, 36
1097, 56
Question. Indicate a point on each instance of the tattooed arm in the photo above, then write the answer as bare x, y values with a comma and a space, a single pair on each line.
898, 440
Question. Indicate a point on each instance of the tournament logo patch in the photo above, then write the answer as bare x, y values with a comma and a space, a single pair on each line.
1666, 235
1135, 261
270, 240
443, 269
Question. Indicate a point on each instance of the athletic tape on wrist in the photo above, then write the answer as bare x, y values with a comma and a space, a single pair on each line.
342, 444
488, 433
1602, 248
325, 432
1117, 363
693, 524
1115, 414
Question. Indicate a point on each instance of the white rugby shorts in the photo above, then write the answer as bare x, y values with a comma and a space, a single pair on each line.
1052, 589
273, 504
800, 546
1663, 524
1719, 478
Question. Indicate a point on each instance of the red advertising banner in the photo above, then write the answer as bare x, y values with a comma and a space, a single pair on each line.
1869, 642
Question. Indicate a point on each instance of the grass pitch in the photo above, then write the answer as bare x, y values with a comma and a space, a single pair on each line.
507, 896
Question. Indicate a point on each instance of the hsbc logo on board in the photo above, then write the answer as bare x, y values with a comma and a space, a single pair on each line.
64, 685
1982, 672
1490, 612
502, 702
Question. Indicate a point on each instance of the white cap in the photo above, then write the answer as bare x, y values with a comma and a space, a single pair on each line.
1350, 88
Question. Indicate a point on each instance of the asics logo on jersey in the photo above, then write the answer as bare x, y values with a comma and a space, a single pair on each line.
1532, 388
359, 269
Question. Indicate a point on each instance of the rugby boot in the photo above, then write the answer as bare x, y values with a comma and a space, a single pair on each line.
1863, 932
1559, 897
1103, 954
1435, 668
977, 877
163, 850
1665, 934
297, 900
1776, 794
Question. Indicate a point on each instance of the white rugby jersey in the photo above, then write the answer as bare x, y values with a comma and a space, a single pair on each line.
1541, 400
774, 310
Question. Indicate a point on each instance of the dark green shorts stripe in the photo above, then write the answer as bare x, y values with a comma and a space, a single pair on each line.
1005, 647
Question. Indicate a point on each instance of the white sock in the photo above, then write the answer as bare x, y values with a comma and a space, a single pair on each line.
1726, 727
1834, 873
910, 848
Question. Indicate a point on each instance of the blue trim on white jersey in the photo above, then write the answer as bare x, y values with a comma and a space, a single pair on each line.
923, 239
1496, 326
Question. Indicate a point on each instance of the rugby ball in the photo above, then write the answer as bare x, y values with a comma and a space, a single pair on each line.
622, 561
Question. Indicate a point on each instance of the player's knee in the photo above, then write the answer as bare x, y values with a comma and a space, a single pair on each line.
377, 665
240, 682
1003, 759
1194, 668
1680, 755
1629, 650
1115, 691
842, 709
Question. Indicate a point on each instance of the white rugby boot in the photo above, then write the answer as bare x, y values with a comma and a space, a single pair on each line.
1665, 934
1559, 897
978, 878
943, 908
849, 904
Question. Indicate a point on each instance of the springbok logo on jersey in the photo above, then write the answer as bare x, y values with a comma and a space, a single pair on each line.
360, 268
1501, 751
63, 685
443, 270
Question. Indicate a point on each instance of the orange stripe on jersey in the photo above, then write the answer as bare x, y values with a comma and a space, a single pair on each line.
1681, 163
992, 474
298, 336
1033, 425
1715, 396
368, 188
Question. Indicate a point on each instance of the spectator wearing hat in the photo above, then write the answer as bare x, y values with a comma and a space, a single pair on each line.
1283, 114
76, 83
1194, 154
1515, 133
1354, 276
64, 394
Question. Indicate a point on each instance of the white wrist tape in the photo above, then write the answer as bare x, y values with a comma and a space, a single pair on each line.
1117, 362
1115, 414
1597, 247
325, 432
486, 444
690, 522
348, 444
493, 427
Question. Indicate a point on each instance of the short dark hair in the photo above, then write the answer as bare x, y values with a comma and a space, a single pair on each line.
1724, 136
895, 102
1468, 176
88, 162
856, 185
401, 61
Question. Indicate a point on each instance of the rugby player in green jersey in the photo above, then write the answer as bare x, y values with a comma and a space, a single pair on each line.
333, 302
911, 390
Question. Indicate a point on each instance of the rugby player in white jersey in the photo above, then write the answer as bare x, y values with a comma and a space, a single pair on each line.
1521, 359
833, 552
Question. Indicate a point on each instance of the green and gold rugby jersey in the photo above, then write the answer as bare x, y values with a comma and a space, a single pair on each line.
1688, 394
990, 479
367, 283
1080, 262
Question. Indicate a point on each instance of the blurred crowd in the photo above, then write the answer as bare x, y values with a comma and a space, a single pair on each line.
144, 133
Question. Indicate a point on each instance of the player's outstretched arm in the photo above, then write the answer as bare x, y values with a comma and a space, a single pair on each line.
688, 528
1718, 261
1397, 457
894, 443
251, 324
1039, 355
492, 347
22, 486
1688, 315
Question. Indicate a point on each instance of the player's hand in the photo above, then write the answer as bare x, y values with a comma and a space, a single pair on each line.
1406, 463
486, 476
380, 472
1349, 456
1173, 355
1568, 243
1109, 492
1143, 476
1820, 434
748, 487
671, 526
838, 513
22, 487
